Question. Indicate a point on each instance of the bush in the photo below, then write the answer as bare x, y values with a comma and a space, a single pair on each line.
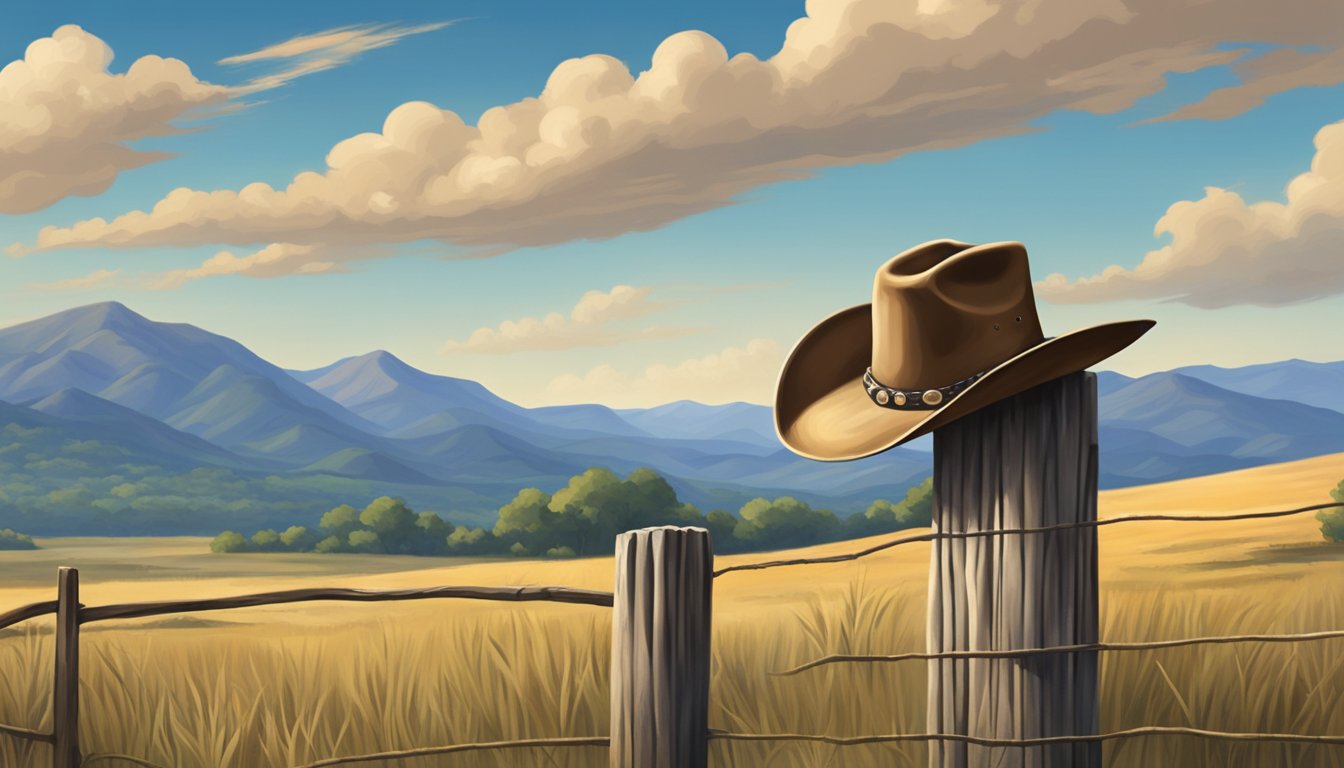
330, 545
1332, 519
266, 540
560, 552
230, 541
365, 541
11, 539
296, 538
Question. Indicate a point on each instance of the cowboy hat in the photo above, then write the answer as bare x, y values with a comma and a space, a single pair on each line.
951, 329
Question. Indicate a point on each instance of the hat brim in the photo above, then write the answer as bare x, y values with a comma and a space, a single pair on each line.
823, 412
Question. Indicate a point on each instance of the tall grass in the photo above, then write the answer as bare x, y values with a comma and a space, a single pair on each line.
254, 696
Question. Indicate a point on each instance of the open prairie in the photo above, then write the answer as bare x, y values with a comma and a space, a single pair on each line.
289, 685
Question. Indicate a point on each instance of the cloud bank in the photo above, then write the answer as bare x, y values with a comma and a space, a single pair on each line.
593, 322
600, 151
1225, 251
745, 373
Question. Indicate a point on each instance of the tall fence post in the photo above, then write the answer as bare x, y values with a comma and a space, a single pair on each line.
660, 649
1026, 462
65, 696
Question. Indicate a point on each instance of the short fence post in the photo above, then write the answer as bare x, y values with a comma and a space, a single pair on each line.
65, 696
660, 649
1026, 462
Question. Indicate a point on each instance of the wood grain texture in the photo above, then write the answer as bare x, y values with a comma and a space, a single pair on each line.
660, 649
65, 698
1027, 462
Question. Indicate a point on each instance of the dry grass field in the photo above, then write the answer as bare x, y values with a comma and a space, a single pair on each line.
287, 685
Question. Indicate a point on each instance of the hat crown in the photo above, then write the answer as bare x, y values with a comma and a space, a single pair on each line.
945, 310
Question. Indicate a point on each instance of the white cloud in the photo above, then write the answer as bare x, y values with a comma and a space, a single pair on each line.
1225, 251
66, 121
83, 282
589, 324
320, 51
745, 373
600, 151
275, 260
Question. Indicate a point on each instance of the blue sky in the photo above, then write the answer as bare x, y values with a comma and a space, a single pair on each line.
718, 295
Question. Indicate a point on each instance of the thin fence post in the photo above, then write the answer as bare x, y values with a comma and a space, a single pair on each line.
1026, 462
65, 696
660, 649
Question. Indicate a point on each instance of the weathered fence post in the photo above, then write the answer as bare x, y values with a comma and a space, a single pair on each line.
1026, 462
660, 649
65, 695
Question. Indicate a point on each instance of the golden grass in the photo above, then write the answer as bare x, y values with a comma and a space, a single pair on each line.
286, 685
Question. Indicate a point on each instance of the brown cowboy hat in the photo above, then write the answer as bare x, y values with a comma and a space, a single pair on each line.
952, 328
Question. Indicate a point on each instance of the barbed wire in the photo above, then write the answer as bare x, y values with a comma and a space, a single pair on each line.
1081, 648
1014, 531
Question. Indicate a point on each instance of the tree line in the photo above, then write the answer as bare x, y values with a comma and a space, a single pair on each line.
579, 519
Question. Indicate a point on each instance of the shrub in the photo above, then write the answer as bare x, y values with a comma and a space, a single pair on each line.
266, 540
560, 552
230, 541
11, 539
330, 544
1332, 519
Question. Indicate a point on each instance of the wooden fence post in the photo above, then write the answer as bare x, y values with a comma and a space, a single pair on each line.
65, 696
660, 649
1026, 462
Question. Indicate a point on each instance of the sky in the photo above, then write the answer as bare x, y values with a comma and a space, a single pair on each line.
639, 203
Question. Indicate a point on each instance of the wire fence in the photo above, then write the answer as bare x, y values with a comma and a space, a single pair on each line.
82, 615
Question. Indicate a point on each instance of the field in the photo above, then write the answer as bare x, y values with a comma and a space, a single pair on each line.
288, 685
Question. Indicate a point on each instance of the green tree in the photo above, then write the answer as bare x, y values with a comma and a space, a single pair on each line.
340, 521
229, 541
297, 538
465, 540
1332, 519
330, 545
266, 540
432, 532
393, 521
784, 522
365, 541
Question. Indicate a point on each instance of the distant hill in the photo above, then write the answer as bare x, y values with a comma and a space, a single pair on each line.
173, 417
1318, 384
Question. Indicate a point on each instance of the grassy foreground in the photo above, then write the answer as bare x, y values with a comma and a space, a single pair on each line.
287, 685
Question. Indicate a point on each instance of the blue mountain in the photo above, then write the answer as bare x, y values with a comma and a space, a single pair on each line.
1318, 384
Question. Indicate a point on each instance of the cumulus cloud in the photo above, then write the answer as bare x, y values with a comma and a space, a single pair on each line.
601, 151
90, 280
1225, 251
320, 51
745, 373
592, 322
66, 121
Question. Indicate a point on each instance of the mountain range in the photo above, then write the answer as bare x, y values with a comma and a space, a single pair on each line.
99, 393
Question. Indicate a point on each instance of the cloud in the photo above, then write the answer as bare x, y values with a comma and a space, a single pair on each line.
67, 121
321, 51
589, 324
745, 373
79, 283
1225, 251
1277, 71
275, 260
600, 152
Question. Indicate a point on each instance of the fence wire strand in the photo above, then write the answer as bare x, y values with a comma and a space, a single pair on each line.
1039, 741
572, 741
19, 732
1082, 648
1015, 531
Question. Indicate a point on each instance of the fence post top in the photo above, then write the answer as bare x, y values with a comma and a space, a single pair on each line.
667, 528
